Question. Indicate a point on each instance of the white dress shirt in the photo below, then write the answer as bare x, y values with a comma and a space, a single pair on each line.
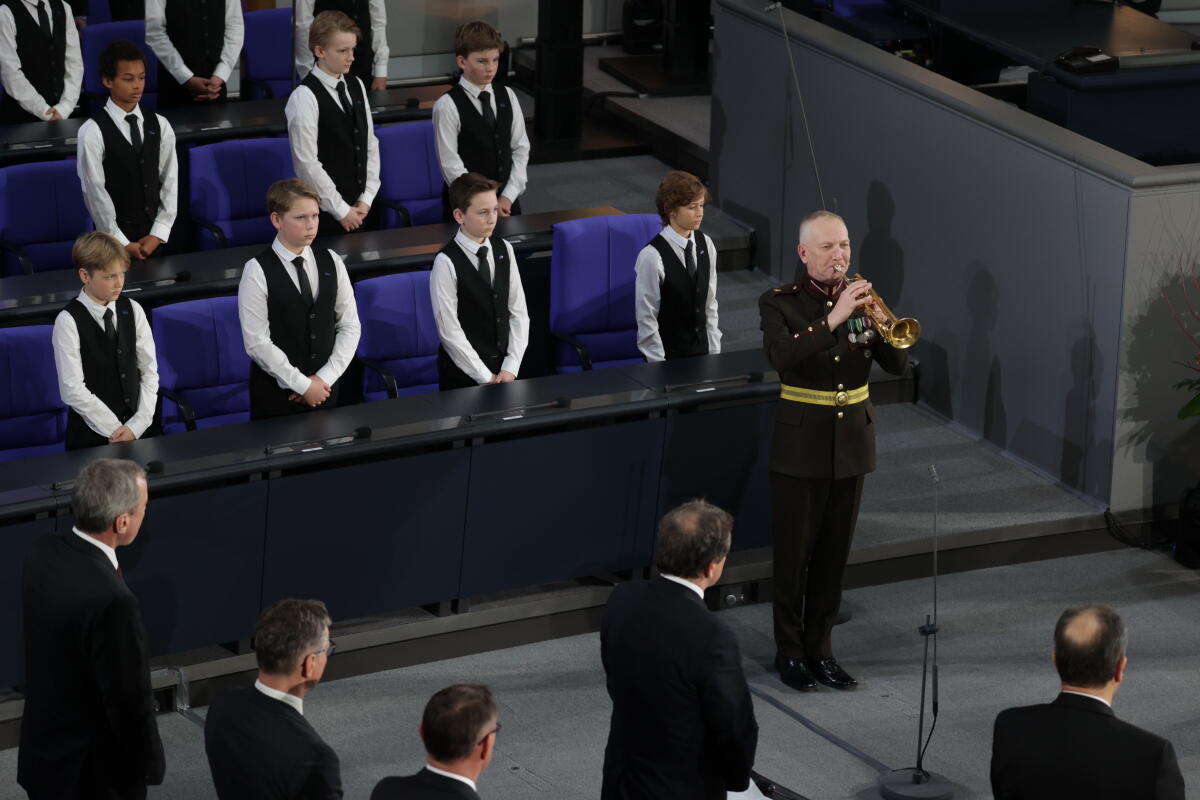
302, 14
446, 124
283, 697
648, 294
1095, 697
12, 76
684, 582
256, 326
74, 392
443, 291
108, 551
455, 776
90, 166
169, 57
303, 114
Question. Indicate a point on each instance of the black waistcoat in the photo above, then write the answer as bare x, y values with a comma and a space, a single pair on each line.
197, 29
364, 52
681, 317
483, 309
342, 145
109, 372
43, 61
486, 151
131, 178
305, 335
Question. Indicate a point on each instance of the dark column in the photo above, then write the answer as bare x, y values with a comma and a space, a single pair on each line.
559, 91
685, 38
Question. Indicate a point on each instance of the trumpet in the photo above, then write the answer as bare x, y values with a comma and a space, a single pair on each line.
900, 333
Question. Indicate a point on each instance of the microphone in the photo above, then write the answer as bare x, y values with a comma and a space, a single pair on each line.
362, 432
771, 6
155, 467
933, 474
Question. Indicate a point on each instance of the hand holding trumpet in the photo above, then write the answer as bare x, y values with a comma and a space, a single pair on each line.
856, 295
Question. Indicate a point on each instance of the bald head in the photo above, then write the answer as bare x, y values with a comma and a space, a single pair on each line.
1089, 643
805, 234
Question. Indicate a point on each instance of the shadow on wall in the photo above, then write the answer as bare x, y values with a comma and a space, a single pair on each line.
880, 257
1082, 444
982, 392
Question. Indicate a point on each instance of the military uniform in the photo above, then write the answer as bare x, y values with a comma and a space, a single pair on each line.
822, 446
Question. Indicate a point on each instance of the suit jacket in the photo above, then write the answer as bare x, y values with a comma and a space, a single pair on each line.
425, 785
88, 729
812, 441
262, 748
682, 722
1075, 747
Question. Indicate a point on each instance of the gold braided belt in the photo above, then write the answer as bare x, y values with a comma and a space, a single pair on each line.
817, 397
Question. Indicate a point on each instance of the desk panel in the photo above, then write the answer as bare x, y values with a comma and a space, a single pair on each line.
18, 540
369, 538
550, 508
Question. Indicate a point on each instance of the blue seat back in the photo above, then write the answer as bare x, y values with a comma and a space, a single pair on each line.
201, 356
592, 287
41, 213
409, 173
33, 419
92, 41
228, 187
98, 12
398, 332
267, 56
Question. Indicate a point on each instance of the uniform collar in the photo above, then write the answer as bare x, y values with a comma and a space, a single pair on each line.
818, 289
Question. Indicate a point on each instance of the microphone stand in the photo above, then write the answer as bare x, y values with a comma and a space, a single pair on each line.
918, 783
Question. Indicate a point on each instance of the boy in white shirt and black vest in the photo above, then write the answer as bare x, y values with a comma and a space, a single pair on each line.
675, 292
478, 300
479, 125
40, 63
198, 43
297, 312
334, 149
126, 159
104, 352
372, 53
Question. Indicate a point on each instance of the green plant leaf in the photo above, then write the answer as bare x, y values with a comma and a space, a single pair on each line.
1192, 409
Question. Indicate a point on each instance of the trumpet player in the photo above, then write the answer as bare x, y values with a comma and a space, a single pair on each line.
822, 345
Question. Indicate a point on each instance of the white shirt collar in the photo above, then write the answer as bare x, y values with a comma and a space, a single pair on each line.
1085, 694
329, 80
474, 90
674, 238
291, 699
108, 551
453, 775
118, 114
685, 582
94, 308
468, 244
287, 256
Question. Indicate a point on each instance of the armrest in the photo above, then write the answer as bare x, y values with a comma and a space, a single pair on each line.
399, 208
185, 408
22, 257
585, 358
268, 92
389, 377
212, 228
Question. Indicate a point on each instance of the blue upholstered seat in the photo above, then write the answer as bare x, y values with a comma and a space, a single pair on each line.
201, 361
38, 236
92, 41
398, 335
267, 64
409, 175
228, 190
33, 419
591, 290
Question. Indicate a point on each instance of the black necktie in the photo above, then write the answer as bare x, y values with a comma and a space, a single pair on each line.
110, 328
489, 116
302, 276
689, 260
485, 269
44, 20
135, 132
344, 100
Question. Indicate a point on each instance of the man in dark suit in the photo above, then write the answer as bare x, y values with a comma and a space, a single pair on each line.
258, 742
682, 721
88, 730
459, 730
1075, 747
823, 444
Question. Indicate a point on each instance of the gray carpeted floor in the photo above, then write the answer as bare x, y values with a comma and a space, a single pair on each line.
994, 649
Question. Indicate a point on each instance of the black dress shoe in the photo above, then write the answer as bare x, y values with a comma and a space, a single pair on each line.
794, 672
828, 672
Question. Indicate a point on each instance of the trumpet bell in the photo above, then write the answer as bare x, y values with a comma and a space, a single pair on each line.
903, 334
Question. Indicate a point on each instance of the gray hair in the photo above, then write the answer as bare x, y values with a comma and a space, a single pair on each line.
104, 490
287, 632
813, 217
